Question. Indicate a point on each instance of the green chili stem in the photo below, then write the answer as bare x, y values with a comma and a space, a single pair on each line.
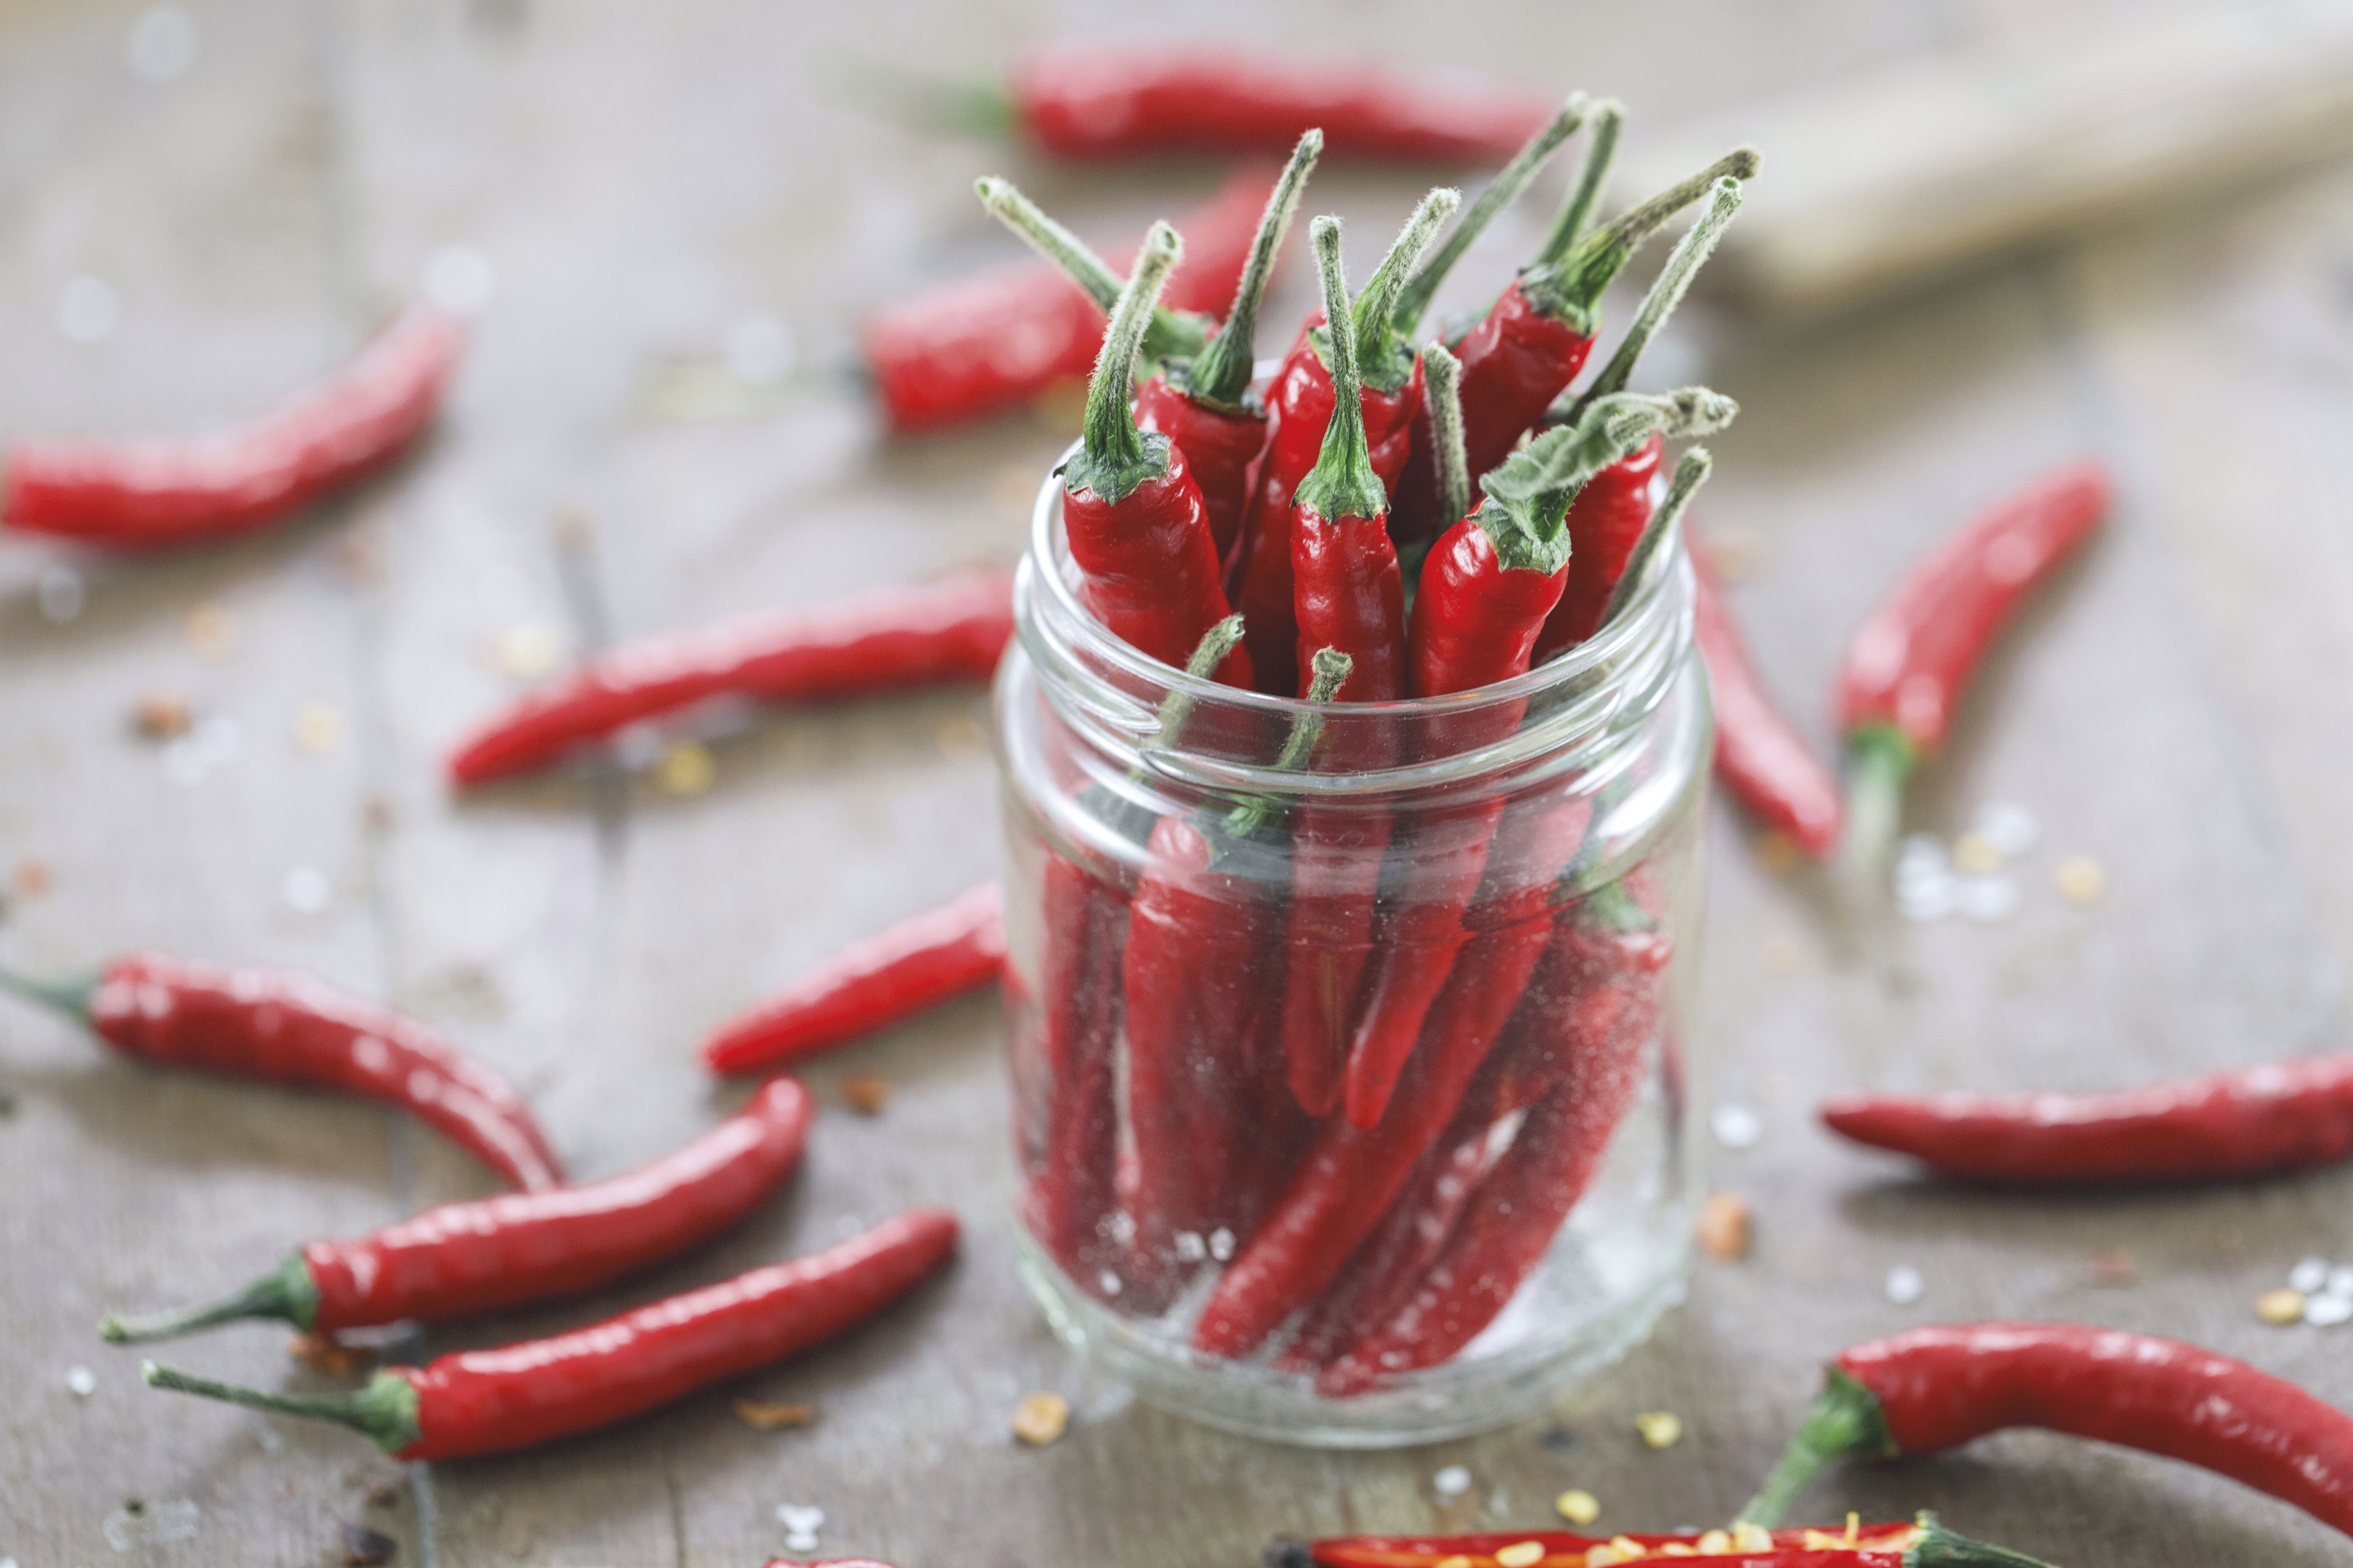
1207, 654
1846, 1421
1940, 1548
287, 1294
1342, 484
1609, 117
1169, 335
1691, 472
1117, 455
1570, 289
1331, 669
1667, 291
71, 997
1222, 371
384, 1411
1443, 379
1382, 358
1501, 192
1878, 761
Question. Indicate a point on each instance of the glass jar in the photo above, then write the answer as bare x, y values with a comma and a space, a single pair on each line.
1241, 925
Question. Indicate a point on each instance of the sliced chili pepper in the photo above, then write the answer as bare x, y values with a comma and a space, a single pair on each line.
1923, 1545
975, 348
488, 1401
281, 1028
1131, 512
886, 640
462, 1258
1760, 759
1204, 404
1938, 1388
2278, 1116
891, 976
151, 493
1902, 678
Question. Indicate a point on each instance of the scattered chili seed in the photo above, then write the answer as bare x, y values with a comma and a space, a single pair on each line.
2327, 1311
866, 1095
762, 1415
2280, 1306
318, 727
1725, 1223
2011, 830
364, 1547
1975, 854
2080, 880
1735, 1126
2310, 1275
1451, 1481
686, 769
1040, 1419
1905, 1285
1579, 1508
324, 1353
1660, 1429
211, 631
162, 716
529, 650
31, 878
1521, 1554
82, 1380
308, 890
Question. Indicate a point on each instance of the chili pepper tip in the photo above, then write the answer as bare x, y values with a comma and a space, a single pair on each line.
1940, 1548
71, 997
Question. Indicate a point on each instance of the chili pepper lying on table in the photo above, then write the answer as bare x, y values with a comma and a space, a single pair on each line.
1923, 1545
894, 973
2277, 1116
462, 1258
885, 640
488, 1401
1902, 678
1938, 1388
979, 347
290, 1029
124, 493
1760, 760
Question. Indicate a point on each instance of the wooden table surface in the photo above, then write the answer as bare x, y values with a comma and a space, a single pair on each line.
645, 183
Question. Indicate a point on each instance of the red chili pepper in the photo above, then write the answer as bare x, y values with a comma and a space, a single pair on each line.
1132, 516
145, 494
886, 640
1204, 404
980, 346
1937, 1388
462, 1258
891, 976
2250, 1121
1902, 679
1924, 1544
488, 1401
1090, 101
289, 1029
1759, 758
829, 1562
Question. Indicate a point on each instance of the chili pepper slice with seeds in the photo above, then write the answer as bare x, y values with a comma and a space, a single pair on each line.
1924, 1543
2277, 1116
894, 974
1760, 760
985, 344
1938, 1388
289, 1029
1902, 678
885, 640
118, 493
468, 1258
489, 1401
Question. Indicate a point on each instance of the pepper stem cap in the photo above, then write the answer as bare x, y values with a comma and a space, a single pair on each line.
1845, 1421
1118, 457
384, 1411
70, 997
1341, 483
288, 1293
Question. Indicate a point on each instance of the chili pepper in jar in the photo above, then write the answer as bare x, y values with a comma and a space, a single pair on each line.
159, 491
489, 1401
1300, 406
1132, 515
280, 1029
467, 1258
2277, 1116
1923, 1544
891, 976
1938, 1388
1204, 404
985, 344
886, 640
1760, 760
1902, 678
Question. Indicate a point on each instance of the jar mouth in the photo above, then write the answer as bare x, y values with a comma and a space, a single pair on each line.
1563, 703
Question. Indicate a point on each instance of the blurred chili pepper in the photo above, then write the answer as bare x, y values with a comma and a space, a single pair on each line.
1759, 759
1923, 1545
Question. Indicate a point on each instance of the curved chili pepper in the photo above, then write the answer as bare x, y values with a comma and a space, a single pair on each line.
1090, 101
1923, 1544
885, 640
462, 1258
280, 1029
489, 1401
1204, 404
1131, 512
2279, 1116
870, 984
118, 494
984, 344
1902, 678
1938, 1388
1759, 759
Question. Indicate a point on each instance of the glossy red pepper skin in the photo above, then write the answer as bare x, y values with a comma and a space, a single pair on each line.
1069, 1145
1876, 1546
280, 1029
2279, 1116
1908, 663
886, 640
1605, 522
990, 343
1094, 101
1149, 567
891, 975
1760, 759
1474, 623
463, 1259
1349, 597
489, 1401
143, 494
1221, 445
